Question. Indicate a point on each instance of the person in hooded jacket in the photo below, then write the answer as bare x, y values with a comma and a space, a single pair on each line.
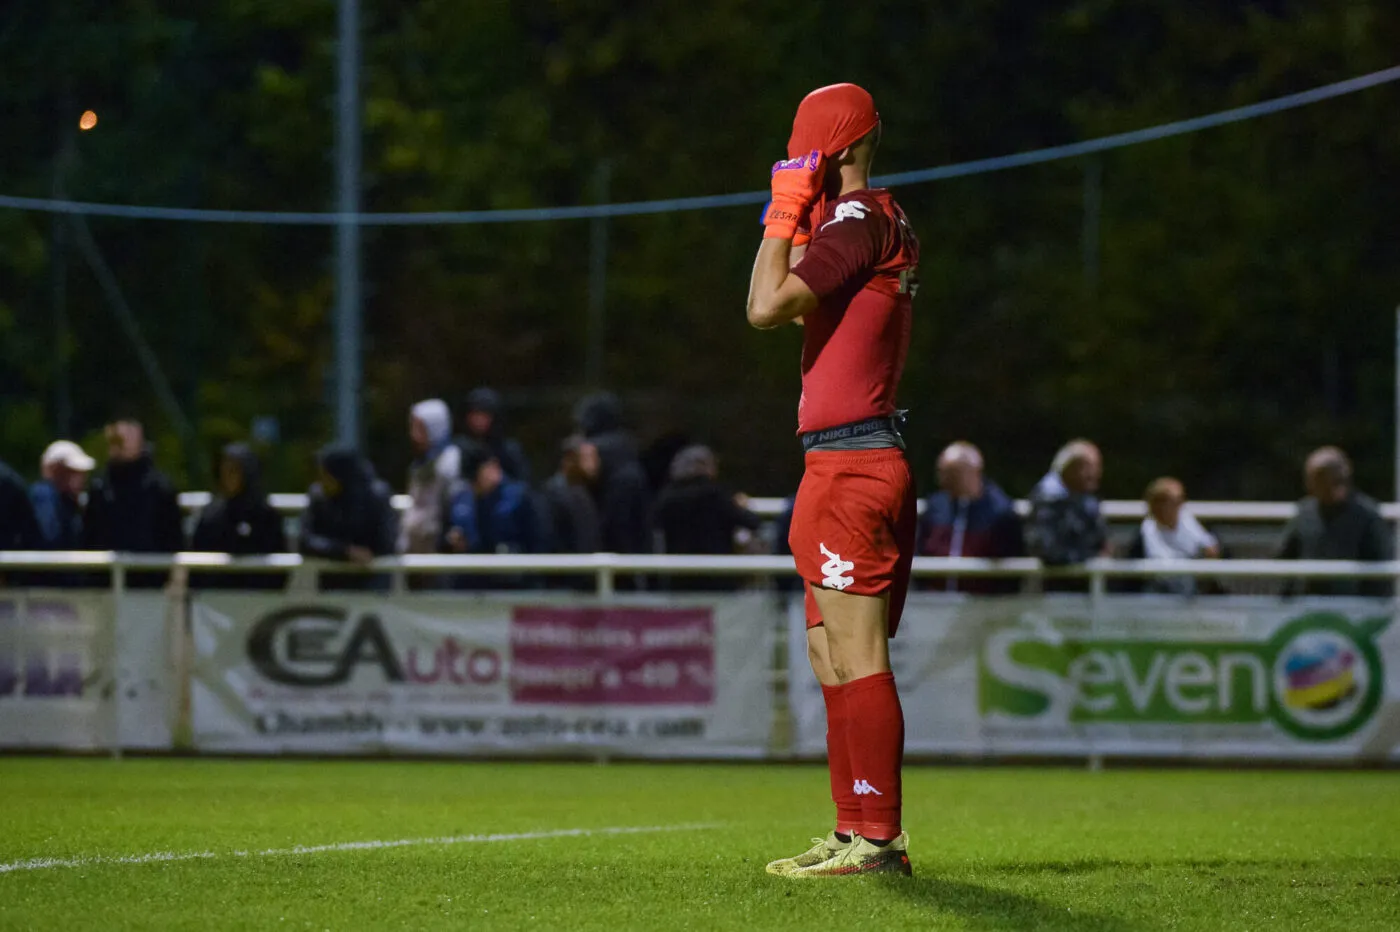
695, 514
621, 491
484, 425
239, 521
436, 466
349, 515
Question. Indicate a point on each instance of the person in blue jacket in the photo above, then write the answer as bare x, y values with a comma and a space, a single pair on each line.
489, 512
970, 516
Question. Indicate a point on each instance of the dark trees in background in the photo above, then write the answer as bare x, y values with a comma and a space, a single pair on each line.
1234, 310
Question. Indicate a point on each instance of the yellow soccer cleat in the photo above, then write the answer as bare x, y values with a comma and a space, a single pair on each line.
823, 849
862, 857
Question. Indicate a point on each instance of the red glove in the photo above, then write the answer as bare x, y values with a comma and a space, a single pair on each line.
803, 236
796, 184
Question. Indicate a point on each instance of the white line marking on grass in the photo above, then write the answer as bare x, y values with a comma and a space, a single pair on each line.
38, 864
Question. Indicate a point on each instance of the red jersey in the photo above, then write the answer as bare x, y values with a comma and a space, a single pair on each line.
861, 265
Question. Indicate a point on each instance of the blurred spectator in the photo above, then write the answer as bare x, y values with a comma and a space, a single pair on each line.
349, 515
239, 521
1171, 532
18, 528
484, 425
1066, 524
490, 512
437, 464
573, 516
622, 492
970, 516
132, 506
658, 455
695, 514
1336, 522
782, 527
57, 496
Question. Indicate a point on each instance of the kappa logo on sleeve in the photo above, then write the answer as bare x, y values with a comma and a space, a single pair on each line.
848, 211
834, 570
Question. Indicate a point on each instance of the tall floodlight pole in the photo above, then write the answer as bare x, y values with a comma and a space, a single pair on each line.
1397, 434
347, 231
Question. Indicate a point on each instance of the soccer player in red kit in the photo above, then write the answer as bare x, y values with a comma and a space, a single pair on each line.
839, 258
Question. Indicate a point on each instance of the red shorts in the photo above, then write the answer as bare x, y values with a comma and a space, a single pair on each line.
853, 526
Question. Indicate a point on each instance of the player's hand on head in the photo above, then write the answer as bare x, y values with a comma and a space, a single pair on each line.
795, 184
803, 234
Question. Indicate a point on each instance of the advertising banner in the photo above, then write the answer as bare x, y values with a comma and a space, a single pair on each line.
1314, 679
433, 674
56, 671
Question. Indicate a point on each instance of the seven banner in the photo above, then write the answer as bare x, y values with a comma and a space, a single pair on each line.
1225, 678
1061, 676
432, 674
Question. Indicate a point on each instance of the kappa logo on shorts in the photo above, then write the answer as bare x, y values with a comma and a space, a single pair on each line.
850, 210
863, 788
834, 568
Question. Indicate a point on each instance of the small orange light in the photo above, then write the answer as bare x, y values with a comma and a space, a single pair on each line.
87, 121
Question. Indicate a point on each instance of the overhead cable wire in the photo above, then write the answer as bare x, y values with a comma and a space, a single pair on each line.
707, 202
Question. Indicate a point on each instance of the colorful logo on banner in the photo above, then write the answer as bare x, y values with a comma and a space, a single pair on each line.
574, 656
1318, 678
325, 646
51, 664
613, 656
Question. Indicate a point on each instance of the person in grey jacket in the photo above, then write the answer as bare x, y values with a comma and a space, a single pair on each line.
1336, 522
1066, 523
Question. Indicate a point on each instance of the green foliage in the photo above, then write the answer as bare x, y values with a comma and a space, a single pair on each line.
1240, 313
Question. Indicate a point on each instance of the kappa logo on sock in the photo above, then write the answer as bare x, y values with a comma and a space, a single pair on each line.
863, 788
834, 568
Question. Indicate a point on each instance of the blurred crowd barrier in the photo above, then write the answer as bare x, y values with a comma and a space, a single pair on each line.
1245, 529
609, 669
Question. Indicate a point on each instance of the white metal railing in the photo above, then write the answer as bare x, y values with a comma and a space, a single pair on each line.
293, 503
606, 567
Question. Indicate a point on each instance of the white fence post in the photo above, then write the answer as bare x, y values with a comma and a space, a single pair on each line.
114, 704
607, 577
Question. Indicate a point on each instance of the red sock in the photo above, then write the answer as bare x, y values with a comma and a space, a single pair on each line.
838, 760
875, 735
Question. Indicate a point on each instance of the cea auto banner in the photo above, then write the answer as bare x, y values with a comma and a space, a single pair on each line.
1138, 676
434, 674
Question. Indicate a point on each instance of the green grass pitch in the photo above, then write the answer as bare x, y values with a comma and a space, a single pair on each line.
993, 848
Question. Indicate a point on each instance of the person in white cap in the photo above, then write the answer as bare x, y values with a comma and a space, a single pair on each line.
57, 497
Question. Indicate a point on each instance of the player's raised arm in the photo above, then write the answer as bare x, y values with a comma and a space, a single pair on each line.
775, 296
